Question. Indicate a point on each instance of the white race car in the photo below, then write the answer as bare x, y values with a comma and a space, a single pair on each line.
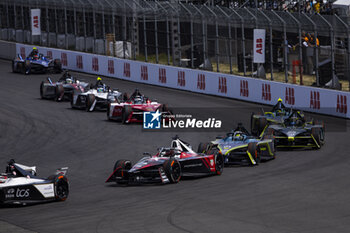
96, 98
20, 185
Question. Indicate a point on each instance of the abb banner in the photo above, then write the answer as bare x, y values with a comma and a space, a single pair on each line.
317, 100
35, 21
259, 46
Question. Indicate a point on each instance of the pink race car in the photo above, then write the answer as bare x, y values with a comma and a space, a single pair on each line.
132, 108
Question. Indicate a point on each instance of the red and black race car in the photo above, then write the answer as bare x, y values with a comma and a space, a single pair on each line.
167, 166
131, 109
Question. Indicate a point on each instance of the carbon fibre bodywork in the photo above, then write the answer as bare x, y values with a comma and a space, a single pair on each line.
41, 65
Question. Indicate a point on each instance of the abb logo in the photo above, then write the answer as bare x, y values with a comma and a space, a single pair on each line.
181, 80
162, 75
95, 64
222, 85
110, 66
79, 60
126, 70
342, 106
201, 82
315, 100
244, 89
49, 54
144, 73
266, 92
23, 52
36, 21
290, 98
259, 45
64, 59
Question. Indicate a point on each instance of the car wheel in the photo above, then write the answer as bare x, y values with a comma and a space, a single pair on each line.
59, 93
13, 67
90, 99
253, 150
109, 111
120, 175
262, 125
126, 114
61, 188
272, 145
253, 126
172, 170
219, 163
202, 147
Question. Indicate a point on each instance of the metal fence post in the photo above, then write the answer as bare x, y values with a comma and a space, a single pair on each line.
243, 42
145, 37
229, 37
191, 32
156, 36
65, 27
301, 67
270, 43
285, 46
216, 38
47, 26
316, 50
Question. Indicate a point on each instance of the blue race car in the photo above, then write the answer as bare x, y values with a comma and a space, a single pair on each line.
36, 64
240, 147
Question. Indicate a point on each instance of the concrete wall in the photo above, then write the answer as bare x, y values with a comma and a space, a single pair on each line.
7, 50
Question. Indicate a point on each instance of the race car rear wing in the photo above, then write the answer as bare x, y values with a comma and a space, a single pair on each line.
62, 171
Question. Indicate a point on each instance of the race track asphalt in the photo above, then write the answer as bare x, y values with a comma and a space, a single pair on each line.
300, 191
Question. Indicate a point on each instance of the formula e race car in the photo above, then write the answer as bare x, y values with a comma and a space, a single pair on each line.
36, 64
297, 133
63, 89
132, 108
168, 165
21, 185
239, 147
96, 98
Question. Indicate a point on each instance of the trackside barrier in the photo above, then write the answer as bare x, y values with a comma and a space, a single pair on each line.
317, 100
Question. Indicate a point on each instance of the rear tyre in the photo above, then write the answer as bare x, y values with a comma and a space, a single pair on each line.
272, 145
253, 126
26, 67
90, 99
109, 111
13, 67
262, 125
219, 163
172, 169
202, 147
121, 175
253, 150
126, 114
61, 188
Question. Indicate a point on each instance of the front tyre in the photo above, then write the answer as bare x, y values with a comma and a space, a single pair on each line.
172, 170
219, 163
254, 155
120, 171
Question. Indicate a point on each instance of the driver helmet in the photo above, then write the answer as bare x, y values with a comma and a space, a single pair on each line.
69, 80
99, 79
279, 100
238, 136
35, 50
138, 99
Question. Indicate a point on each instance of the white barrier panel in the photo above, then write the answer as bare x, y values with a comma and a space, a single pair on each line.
313, 99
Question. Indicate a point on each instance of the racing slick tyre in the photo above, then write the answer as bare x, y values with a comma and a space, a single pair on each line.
13, 67
252, 149
119, 175
59, 91
126, 113
261, 125
316, 134
253, 125
109, 111
26, 67
57, 66
42, 90
323, 130
202, 147
172, 169
61, 188
219, 163
90, 99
